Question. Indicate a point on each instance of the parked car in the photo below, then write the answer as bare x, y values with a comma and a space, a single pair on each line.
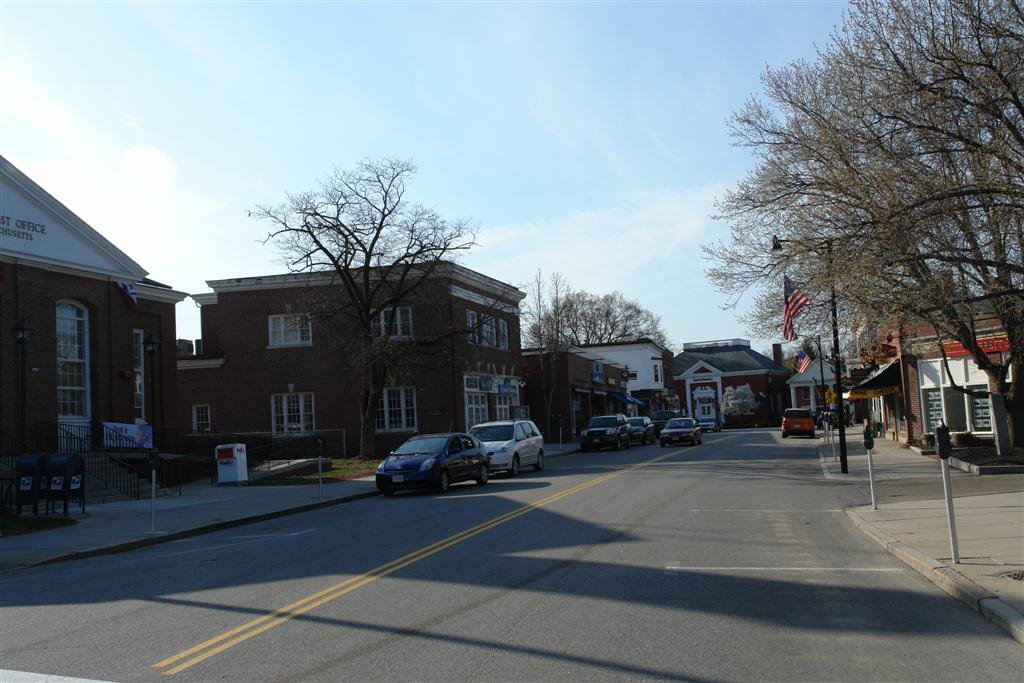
433, 461
511, 444
797, 421
660, 417
709, 423
681, 430
641, 429
606, 431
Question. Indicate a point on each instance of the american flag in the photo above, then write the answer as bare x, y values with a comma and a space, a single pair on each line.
795, 300
129, 292
803, 361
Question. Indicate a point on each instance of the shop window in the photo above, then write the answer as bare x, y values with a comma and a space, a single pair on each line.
932, 402
476, 409
956, 409
503, 407
981, 415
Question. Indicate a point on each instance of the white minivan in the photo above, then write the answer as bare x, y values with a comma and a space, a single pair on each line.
511, 444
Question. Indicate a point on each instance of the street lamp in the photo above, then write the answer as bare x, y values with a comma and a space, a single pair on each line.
836, 357
22, 335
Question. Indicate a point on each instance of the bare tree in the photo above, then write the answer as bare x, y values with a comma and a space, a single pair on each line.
583, 318
545, 330
379, 251
893, 168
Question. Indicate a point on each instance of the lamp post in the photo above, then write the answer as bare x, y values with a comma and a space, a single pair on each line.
836, 358
22, 335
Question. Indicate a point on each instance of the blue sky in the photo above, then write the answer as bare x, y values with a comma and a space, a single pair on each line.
584, 138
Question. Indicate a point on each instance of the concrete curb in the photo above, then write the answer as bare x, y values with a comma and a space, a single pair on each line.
195, 531
985, 469
947, 578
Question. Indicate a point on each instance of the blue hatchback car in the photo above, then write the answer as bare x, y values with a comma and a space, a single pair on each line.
433, 461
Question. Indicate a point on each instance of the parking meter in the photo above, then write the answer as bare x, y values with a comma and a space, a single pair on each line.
869, 438
942, 441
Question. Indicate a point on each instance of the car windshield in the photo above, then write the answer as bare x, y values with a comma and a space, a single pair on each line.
492, 432
679, 423
426, 445
793, 412
636, 421
663, 415
603, 422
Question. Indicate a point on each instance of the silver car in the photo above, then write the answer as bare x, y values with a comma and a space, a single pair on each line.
511, 444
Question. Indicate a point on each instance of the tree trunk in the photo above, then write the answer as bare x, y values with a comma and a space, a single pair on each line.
1014, 397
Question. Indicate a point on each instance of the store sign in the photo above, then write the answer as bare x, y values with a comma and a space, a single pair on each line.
122, 434
987, 344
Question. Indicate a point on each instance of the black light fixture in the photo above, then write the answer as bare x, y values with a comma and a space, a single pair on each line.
151, 343
23, 332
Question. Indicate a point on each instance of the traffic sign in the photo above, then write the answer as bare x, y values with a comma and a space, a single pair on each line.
830, 396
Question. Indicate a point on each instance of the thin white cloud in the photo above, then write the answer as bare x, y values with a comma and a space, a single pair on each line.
149, 166
131, 122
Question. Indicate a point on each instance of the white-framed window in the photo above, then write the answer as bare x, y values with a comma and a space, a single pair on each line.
201, 417
396, 410
398, 327
471, 324
476, 408
502, 334
292, 413
73, 362
631, 375
657, 373
941, 402
139, 378
503, 407
290, 330
488, 332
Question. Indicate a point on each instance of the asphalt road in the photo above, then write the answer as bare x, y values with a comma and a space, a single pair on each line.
728, 561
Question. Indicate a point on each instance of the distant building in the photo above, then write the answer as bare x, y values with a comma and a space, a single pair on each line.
85, 337
270, 364
564, 389
648, 368
705, 369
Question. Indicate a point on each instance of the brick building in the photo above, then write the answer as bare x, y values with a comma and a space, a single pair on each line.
75, 349
705, 369
580, 383
271, 361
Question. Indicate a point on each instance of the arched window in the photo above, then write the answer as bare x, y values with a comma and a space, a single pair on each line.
73, 363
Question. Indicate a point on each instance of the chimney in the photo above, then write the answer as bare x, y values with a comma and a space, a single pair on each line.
777, 353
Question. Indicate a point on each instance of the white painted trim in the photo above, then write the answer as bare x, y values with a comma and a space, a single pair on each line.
199, 363
205, 298
480, 300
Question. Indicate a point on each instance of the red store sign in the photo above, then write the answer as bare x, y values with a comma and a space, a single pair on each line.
988, 345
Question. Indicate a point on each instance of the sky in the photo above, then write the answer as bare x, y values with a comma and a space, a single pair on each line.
583, 138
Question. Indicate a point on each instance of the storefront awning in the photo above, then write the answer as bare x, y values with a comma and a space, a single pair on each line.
884, 383
624, 399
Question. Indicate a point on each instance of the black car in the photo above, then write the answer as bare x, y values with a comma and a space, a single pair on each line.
660, 417
641, 429
433, 461
606, 431
681, 430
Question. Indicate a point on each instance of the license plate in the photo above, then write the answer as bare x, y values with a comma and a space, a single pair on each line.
397, 478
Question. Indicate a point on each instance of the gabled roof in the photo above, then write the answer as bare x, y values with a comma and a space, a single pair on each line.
731, 358
38, 229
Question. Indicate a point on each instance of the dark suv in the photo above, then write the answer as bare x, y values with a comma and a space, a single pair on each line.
611, 431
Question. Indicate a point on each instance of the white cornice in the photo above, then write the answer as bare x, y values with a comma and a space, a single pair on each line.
204, 298
162, 294
481, 300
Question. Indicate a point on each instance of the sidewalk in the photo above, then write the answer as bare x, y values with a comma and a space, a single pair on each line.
911, 524
201, 507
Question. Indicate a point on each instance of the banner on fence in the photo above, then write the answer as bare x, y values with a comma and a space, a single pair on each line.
122, 434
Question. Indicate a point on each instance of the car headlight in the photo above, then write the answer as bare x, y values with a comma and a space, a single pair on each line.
427, 464
380, 467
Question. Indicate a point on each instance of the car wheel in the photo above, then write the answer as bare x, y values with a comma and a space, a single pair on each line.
387, 491
662, 444
481, 477
514, 470
784, 435
584, 449
443, 483
539, 465
618, 444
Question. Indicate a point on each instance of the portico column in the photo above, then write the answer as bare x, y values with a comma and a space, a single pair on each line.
689, 398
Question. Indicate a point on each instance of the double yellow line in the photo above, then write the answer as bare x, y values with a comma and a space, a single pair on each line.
208, 648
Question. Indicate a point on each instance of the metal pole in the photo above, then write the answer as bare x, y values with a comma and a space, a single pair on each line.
871, 478
152, 502
320, 469
837, 361
949, 511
